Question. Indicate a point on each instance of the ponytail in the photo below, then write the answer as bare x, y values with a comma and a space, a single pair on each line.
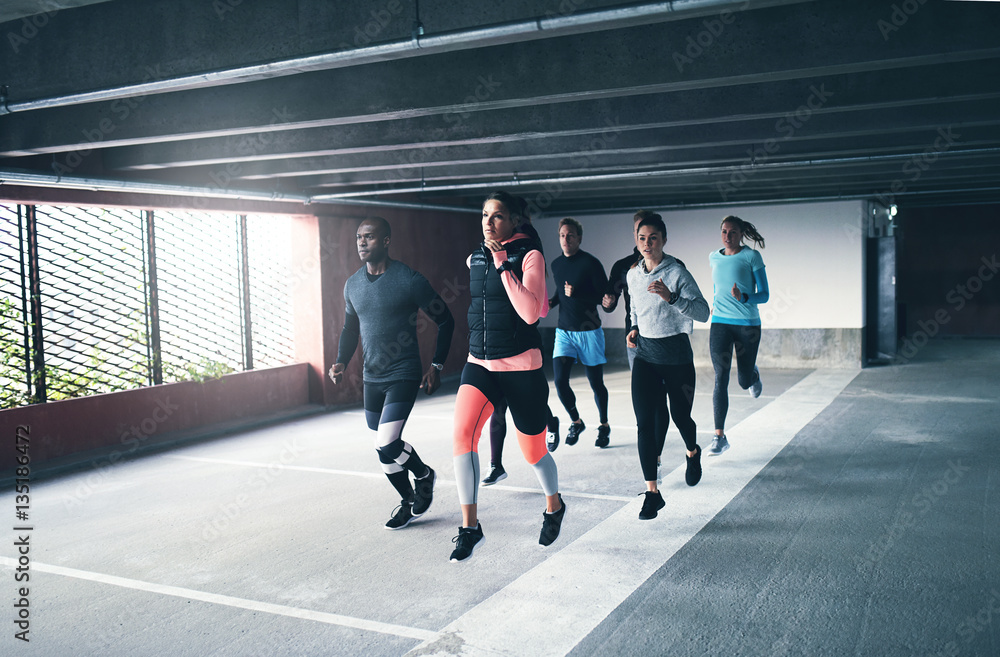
749, 231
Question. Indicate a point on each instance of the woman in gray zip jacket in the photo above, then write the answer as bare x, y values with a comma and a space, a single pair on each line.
665, 301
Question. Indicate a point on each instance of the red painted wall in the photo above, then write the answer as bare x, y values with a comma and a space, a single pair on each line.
132, 419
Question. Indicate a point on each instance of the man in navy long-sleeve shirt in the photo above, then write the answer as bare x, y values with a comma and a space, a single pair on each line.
580, 285
382, 304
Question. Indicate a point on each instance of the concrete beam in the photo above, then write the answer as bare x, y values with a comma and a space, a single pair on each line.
818, 40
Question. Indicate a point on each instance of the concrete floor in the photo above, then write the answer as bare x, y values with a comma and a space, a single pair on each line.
856, 514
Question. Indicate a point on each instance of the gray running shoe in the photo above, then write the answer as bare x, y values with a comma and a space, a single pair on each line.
756, 388
719, 445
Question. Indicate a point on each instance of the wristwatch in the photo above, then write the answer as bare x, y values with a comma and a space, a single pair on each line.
504, 266
438, 366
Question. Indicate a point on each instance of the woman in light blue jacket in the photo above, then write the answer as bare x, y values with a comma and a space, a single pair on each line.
740, 286
665, 303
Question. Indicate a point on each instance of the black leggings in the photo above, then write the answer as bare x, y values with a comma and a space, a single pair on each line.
498, 431
652, 386
561, 368
722, 340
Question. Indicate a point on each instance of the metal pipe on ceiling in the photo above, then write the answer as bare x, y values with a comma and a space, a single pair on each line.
33, 179
632, 175
527, 30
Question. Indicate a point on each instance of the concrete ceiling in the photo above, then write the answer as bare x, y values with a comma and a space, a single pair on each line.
581, 105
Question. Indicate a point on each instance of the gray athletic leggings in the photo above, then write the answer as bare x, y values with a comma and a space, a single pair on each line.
723, 339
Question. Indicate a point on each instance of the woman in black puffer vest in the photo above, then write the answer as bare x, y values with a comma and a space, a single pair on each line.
507, 286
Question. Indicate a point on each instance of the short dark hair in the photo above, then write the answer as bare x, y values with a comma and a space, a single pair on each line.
577, 226
379, 223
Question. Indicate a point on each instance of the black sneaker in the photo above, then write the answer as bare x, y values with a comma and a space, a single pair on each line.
401, 516
693, 474
551, 523
653, 503
497, 473
423, 492
466, 542
603, 436
575, 429
552, 435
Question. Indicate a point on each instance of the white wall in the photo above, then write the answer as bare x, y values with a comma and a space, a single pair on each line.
814, 257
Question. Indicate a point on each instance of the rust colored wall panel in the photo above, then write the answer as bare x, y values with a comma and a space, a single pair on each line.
132, 419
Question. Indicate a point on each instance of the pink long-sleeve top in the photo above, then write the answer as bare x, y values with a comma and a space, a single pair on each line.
530, 300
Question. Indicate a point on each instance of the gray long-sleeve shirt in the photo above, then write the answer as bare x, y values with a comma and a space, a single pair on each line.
651, 314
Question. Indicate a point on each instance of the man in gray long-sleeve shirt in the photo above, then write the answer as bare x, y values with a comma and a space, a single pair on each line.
383, 300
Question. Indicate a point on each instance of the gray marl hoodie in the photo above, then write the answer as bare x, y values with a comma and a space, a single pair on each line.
654, 317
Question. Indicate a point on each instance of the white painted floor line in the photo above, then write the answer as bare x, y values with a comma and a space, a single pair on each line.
554, 606
230, 601
564, 493
378, 475
257, 464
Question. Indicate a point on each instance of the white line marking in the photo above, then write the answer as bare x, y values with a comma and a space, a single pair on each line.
539, 491
282, 466
552, 607
229, 601
354, 473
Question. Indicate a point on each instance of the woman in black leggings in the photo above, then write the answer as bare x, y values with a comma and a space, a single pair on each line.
665, 300
740, 286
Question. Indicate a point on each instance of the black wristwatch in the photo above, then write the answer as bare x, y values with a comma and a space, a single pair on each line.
673, 298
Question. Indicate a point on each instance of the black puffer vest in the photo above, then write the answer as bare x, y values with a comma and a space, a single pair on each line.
495, 329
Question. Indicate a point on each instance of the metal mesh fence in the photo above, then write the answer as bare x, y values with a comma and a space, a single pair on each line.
269, 249
93, 305
106, 303
198, 272
14, 368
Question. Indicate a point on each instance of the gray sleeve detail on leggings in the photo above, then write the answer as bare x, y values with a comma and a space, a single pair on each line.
467, 477
548, 474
